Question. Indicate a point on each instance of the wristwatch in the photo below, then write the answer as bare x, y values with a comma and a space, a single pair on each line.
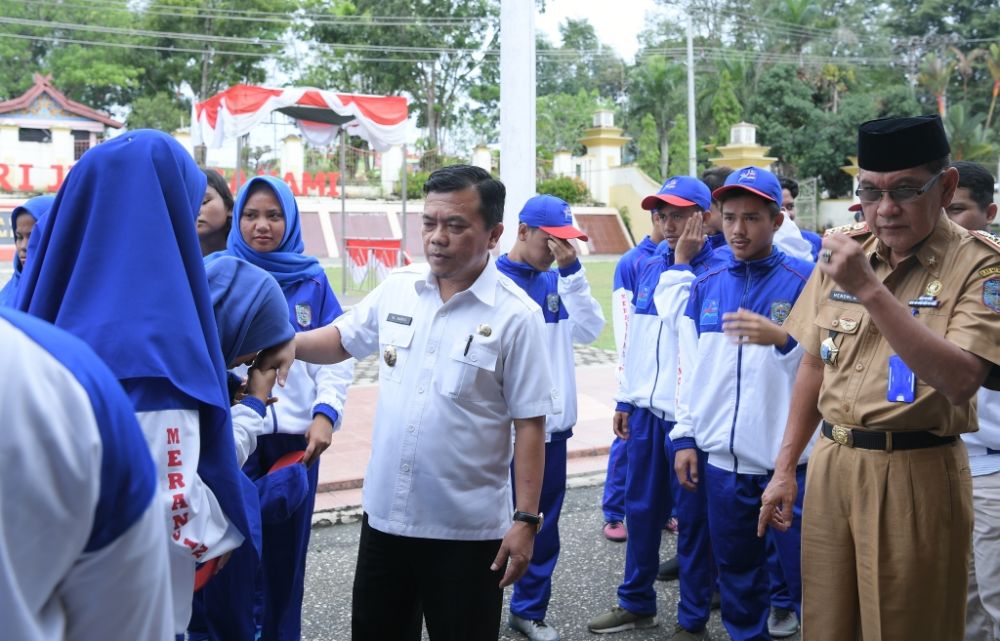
530, 519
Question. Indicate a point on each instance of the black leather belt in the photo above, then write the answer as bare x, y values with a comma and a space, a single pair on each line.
886, 441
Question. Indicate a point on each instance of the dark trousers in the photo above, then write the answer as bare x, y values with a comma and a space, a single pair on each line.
648, 503
451, 582
613, 502
733, 508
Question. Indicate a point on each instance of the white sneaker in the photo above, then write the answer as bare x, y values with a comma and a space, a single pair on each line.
534, 630
782, 623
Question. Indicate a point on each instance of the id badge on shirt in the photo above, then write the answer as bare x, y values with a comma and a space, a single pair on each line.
902, 381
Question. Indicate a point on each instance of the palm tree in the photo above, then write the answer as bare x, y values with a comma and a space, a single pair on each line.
964, 66
968, 138
992, 57
935, 74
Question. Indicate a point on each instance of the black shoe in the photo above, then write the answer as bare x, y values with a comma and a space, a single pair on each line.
669, 570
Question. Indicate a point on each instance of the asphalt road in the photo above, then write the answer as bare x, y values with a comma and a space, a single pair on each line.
589, 571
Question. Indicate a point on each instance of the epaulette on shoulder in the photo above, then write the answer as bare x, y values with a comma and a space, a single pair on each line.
852, 230
988, 237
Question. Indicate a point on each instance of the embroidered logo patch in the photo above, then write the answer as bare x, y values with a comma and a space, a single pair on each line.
643, 297
779, 311
303, 314
748, 175
991, 294
552, 303
710, 312
567, 215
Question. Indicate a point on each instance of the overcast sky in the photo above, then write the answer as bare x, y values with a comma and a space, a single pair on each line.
620, 29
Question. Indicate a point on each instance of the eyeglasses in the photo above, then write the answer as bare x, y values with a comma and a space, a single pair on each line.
899, 195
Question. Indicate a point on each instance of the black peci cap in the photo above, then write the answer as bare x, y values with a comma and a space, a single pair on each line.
891, 144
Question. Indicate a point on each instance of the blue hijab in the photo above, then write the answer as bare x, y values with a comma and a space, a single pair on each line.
249, 307
36, 208
286, 262
118, 264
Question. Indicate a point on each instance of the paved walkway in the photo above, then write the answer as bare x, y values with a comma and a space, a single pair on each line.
342, 467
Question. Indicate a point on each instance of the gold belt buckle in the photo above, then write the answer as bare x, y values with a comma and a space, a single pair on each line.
843, 435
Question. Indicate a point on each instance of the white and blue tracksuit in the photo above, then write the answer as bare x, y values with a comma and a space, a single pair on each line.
732, 404
286, 509
82, 543
622, 308
646, 391
571, 316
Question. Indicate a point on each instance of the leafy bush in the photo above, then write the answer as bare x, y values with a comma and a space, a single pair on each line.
572, 190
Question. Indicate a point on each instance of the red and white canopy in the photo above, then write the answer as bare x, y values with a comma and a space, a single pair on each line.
381, 120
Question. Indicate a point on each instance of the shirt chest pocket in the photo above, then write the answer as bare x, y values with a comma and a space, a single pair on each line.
470, 370
395, 341
839, 326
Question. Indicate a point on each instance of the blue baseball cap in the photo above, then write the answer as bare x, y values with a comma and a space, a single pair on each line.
681, 191
757, 181
552, 215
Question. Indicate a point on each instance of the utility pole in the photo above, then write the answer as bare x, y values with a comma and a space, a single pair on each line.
517, 110
692, 150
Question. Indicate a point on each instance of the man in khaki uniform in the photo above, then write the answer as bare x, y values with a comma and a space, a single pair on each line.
900, 323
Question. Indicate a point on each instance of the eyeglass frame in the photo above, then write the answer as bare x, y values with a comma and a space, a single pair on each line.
882, 192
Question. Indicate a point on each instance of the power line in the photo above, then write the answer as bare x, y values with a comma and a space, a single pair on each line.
270, 16
125, 31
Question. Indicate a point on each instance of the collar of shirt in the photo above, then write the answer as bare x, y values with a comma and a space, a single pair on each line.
742, 267
484, 288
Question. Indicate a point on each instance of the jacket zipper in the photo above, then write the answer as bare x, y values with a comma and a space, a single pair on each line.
739, 373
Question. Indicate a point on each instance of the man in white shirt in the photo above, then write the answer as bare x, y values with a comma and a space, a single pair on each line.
458, 347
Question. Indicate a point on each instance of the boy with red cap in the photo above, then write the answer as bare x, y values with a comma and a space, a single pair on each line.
571, 316
645, 411
731, 340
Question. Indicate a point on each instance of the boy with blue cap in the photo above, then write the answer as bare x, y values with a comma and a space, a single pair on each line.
731, 341
645, 410
571, 315
622, 310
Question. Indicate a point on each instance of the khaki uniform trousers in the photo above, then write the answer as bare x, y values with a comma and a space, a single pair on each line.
885, 544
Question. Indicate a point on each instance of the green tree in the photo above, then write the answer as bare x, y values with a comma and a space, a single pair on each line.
158, 111
648, 148
968, 137
38, 40
561, 119
677, 141
215, 43
657, 88
726, 109
434, 56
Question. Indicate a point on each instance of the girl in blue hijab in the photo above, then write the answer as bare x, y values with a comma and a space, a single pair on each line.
22, 221
267, 232
118, 264
252, 315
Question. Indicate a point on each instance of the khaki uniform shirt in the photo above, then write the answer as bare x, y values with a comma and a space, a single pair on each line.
950, 266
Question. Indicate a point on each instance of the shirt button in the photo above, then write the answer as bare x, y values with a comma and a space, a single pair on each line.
430, 350
410, 429
473, 358
859, 367
846, 407
405, 468
420, 390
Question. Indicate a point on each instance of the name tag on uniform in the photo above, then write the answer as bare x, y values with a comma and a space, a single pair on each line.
902, 382
844, 297
400, 319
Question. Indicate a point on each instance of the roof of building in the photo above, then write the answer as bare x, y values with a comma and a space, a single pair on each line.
43, 84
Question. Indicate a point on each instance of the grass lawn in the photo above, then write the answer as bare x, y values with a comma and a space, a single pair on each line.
600, 273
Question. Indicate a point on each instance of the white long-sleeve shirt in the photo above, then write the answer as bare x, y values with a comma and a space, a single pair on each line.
571, 316
83, 551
